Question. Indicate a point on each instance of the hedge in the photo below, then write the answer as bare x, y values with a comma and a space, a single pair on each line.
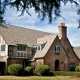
28, 71
66, 73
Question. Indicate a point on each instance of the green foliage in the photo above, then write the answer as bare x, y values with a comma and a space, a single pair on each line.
28, 71
51, 74
77, 68
42, 70
15, 69
44, 8
66, 73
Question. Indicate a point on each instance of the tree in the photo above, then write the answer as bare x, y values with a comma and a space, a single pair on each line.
44, 8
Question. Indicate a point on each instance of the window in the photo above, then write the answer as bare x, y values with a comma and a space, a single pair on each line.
21, 48
2, 47
57, 49
39, 48
10, 49
72, 64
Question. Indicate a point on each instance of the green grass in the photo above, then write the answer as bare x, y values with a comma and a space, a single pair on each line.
38, 78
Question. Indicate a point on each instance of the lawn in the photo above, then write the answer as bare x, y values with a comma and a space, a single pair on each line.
38, 78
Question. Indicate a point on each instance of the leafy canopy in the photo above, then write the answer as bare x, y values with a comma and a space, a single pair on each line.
44, 8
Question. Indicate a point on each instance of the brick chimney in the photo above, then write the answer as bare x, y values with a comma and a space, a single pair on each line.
62, 30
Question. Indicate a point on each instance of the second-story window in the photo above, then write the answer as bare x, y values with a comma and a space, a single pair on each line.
21, 48
57, 49
2, 47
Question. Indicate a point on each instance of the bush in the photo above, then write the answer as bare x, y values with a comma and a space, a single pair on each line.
42, 70
51, 74
28, 71
77, 68
15, 69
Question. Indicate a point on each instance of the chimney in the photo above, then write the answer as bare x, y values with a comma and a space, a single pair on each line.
62, 30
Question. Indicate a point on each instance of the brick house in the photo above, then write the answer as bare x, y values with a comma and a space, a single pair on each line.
23, 45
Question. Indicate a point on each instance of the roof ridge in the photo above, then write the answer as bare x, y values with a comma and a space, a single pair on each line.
25, 28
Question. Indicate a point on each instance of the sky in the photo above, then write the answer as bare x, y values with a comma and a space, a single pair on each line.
33, 22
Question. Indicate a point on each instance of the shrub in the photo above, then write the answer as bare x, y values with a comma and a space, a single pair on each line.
51, 74
66, 73
28, 71
42, 70
15, 69
77, 68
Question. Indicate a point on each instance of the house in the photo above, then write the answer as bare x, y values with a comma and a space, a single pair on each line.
57, 51
22, 45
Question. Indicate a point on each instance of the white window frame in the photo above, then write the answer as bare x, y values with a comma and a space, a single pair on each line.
57, 48
39, 48
4, 47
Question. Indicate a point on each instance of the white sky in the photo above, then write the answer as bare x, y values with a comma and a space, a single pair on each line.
33, 22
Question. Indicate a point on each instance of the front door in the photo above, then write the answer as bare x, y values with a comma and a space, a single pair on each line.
57, 67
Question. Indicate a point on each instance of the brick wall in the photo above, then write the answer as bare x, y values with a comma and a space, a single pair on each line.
51, 57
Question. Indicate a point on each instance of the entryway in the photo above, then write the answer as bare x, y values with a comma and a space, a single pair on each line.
57, 66
2, 68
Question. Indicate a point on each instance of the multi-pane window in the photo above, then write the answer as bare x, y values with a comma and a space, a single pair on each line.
21, 48
72, 64
57, 48
11, 50
2, 47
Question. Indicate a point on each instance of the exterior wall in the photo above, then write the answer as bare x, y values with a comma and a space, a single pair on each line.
10, 61
39, 61
3, 53
70, 52
51, 57
13, 61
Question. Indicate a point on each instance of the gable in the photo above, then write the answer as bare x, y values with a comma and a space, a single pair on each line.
57, 54
48, 40
73, 57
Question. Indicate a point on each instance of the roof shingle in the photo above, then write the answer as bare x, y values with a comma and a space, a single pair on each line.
14, 35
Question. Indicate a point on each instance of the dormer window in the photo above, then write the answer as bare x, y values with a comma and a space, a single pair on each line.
57, 49
21, 48
39, 48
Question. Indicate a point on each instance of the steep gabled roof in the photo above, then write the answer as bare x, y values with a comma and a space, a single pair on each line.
77, 51
48, 39
14, 35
